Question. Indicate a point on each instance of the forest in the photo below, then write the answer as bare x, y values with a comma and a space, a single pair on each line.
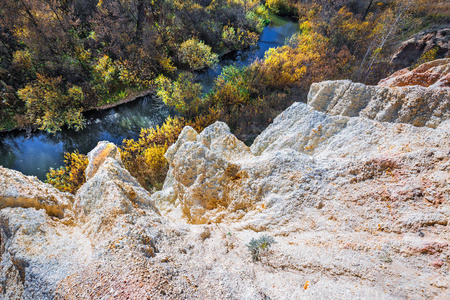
60, 58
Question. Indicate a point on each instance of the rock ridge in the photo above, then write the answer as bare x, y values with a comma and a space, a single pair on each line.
424, 101
354, 187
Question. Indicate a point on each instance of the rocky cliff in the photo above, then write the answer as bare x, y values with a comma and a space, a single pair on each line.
420, 97
412, 49
354, 187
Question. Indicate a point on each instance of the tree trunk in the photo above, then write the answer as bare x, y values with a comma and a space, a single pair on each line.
367, 10
140, 21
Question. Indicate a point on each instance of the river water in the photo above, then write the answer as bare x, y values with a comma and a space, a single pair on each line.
35, 153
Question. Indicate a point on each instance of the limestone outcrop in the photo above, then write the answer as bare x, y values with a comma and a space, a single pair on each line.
18, 190
359, 208
422, 101
112, 223
98, 156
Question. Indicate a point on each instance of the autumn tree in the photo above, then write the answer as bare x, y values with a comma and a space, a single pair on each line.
71, 176
50, 105
197, 55
183, 94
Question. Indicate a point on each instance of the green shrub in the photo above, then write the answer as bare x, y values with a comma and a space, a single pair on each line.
183, 94
260, 246
282, 7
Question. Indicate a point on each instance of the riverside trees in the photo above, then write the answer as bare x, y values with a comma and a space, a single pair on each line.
108, 48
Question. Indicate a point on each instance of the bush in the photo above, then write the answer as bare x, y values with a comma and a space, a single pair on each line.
428, 56
144, 158
183, 94
70, 177
23, 62
259, 18
282, 7
231, 89
50, 105
197, 55
242, 99
238, 38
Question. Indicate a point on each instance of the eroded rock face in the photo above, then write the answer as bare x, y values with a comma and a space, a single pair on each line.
202, 177
98, 155
401, 98
18, 190
348, 198
359, 208
37, 252
433, 74
112, 216
299, 139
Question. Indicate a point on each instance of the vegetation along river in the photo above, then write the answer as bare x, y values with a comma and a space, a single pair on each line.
34, 153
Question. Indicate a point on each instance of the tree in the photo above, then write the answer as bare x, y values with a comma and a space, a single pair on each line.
51, 106
183, 94
197, 54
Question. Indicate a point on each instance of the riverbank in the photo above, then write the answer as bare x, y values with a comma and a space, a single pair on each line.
125, 100
35, 153
130, 98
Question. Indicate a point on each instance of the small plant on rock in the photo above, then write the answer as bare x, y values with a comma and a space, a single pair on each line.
259, 246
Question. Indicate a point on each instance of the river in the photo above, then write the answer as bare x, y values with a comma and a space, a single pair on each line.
35, 153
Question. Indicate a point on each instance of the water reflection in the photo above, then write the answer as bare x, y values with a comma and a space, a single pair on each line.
273, 35
36, 154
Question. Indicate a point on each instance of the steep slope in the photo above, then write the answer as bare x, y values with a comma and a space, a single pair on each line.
358, 207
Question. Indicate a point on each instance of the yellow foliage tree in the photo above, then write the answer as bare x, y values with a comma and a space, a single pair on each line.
50, 106
197, 54
71, 176
238, 38
183, 94
144, 158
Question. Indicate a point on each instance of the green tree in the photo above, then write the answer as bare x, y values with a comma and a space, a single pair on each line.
183, 94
